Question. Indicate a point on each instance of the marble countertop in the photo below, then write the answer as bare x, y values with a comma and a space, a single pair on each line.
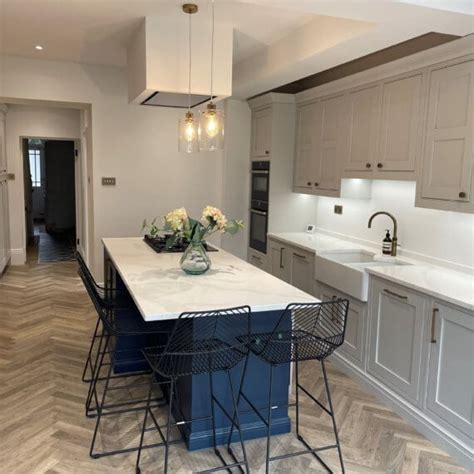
443, 283
161, 290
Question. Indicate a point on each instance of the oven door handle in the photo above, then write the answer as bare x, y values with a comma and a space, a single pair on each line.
260, 172
260, 213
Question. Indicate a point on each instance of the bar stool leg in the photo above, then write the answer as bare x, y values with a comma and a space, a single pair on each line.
168, 428
237, 422
142, 434
102, 403
88, 360
297, 400
269, 421
96, 373
333, 416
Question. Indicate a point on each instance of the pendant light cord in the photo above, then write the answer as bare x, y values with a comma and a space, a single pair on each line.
212, 50
190, 64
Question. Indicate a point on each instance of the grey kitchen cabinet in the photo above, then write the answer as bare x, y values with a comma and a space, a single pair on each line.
308, 122
363, 128
446, 175
395, 338
354, 347
400, 127
257, 259
261, 133
301, 269
279, 261
450, 389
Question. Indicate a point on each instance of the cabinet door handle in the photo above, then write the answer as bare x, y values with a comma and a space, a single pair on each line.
433, 325
299, 255
392, 293
368, 165
462, 194
281, 257
379, 165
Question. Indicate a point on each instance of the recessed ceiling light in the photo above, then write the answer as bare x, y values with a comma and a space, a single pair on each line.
39, 47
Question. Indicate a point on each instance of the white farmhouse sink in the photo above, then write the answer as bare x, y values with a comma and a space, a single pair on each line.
345, 270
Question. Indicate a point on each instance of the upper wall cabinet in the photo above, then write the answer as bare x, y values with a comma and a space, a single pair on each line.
363, 125
401, 124
261, 133
320, 146
446, 174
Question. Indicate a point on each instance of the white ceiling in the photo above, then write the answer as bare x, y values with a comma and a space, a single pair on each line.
97, 31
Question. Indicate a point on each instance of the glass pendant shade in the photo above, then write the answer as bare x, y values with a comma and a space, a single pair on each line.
188, 134
211, 129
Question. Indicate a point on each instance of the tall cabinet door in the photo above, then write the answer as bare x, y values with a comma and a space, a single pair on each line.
332, 143
451, 379
279, 261
447, 155
307, 141
364, 111
396, 332
401, 115
262, 133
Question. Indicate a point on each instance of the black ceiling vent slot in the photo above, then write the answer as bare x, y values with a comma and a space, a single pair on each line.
176, 100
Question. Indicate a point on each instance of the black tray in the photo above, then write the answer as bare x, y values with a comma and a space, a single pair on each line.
158, 244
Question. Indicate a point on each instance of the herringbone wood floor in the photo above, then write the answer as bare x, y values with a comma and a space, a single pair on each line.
45, 324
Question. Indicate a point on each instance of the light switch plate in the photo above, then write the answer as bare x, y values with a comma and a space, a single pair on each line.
337, 209
108, 181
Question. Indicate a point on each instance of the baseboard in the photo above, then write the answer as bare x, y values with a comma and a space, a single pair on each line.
17, 256
435, 433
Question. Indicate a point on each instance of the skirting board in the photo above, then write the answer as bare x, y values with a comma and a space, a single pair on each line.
17, 256
416, 418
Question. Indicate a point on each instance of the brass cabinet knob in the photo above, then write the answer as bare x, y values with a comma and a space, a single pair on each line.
316, 184
379, 165
462, 194
368, 165
267, 152
309, 183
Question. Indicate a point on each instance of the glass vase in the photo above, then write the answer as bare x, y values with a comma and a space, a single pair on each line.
195, 260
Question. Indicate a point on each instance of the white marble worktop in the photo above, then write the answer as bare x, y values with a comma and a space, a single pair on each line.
161, 290
449, 285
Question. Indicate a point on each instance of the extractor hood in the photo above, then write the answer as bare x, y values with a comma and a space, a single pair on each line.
157, 59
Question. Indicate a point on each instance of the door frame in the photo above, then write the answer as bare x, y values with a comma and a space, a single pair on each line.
81, 210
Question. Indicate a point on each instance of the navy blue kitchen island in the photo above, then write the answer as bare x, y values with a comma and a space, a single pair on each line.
161, 291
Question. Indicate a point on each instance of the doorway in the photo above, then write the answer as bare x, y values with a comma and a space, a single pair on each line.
50, 199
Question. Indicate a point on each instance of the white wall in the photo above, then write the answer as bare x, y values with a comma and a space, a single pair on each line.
236, 173
135, 144
448, 236
29, 121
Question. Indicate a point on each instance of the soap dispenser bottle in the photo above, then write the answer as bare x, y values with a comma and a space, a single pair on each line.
387, 244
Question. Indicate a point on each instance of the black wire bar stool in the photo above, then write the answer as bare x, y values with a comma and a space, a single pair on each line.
316, 330
118, 325
110, 299
200, 343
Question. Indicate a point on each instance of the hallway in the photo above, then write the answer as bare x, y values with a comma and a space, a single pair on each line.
46, 320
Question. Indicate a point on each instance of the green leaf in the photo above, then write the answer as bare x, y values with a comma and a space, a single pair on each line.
170, 241
234, 226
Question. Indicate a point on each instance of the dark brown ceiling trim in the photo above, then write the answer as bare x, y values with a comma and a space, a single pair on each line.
386, 55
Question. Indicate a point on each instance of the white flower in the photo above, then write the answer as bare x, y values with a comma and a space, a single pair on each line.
215, 216
176, 219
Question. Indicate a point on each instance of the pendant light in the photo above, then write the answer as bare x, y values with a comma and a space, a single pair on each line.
211, 126
188, 126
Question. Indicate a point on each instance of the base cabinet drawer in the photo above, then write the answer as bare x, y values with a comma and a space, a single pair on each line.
354, 347
301, 269
257, 259
450, 394
395, 338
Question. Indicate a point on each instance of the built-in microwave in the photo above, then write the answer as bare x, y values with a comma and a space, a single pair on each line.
260, 182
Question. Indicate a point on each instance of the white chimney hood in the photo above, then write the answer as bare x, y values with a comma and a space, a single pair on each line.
158, 57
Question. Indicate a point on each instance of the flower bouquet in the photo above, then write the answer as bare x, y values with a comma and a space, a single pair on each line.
180, 228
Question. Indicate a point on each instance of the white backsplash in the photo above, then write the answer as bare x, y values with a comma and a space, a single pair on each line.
447, 236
